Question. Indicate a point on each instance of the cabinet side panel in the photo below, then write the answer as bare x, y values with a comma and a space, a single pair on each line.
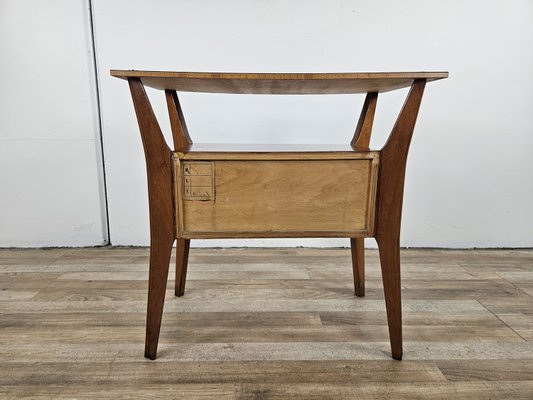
284, 196
178, 195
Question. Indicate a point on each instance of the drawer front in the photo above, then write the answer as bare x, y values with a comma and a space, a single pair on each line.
276, 198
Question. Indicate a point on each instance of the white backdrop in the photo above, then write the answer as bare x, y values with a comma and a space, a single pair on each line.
469, 178
51, 188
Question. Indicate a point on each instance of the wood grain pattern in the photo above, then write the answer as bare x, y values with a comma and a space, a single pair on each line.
162, 228
278, 83
215, 151
358, 265
291, 198
363, 131
180, 133
182, 260
389, 210
457, 348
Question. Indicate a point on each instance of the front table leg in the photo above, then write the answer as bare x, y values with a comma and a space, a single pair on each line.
161, 203
160, 250
389, 257
393, 159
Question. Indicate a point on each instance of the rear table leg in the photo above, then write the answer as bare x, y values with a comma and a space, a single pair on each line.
358, 264
182, 259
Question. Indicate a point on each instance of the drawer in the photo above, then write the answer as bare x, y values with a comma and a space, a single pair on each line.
276, 198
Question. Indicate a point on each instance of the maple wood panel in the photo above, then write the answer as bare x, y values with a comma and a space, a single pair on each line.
272, 198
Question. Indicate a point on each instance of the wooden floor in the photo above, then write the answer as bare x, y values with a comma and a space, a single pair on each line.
265, 324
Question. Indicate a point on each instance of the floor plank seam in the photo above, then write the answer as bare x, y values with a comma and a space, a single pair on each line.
503, 322
517, 287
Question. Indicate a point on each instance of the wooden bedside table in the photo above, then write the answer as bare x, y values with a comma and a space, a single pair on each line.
265, 191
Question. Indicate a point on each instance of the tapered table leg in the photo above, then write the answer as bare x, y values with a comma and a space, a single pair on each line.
160, 251
161, 203
389, 255
393, 159
358, 265
182, 260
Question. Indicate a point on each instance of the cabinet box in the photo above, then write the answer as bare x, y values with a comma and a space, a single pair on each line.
276, 195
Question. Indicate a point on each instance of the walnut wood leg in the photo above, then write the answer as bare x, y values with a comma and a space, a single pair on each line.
160, 252
358, 264
162, 229
182, 260
363, 131
389, 210
389, 255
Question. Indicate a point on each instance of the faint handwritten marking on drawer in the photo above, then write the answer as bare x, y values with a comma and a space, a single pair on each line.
199, 180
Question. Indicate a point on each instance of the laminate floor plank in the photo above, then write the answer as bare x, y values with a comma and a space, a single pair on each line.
115, 392
146, 373
90, 351
460, 390
279, 290
192, 320
486, 370
194, 275
173, 305
419, 319
522, 324
246, 334
518, 305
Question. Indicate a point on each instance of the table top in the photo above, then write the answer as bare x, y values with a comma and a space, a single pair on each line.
278, 83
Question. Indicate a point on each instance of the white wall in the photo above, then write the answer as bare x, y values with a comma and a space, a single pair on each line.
50, 177
469, 174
